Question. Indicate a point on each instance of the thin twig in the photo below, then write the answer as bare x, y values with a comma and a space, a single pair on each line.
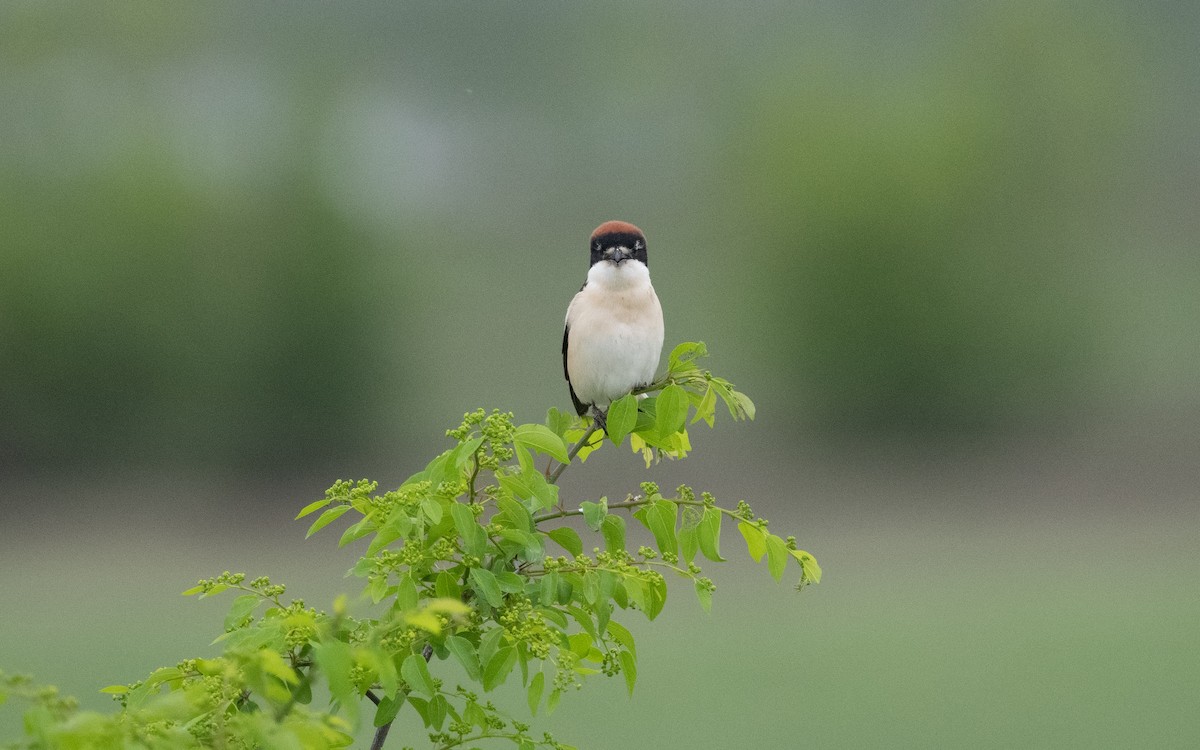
573, 452
382, 732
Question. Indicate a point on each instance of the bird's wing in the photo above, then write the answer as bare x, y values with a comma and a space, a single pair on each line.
580, 407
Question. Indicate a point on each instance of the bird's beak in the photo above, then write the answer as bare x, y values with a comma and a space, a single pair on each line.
618, 254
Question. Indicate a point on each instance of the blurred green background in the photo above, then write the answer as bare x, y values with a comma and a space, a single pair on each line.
950, 250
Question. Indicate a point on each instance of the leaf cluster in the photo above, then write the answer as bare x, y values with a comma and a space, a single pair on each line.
473, 577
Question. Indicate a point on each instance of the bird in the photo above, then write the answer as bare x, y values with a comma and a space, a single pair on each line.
613, 337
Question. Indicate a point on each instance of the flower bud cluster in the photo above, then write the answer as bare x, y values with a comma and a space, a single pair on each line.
525, 625
564, 675
345, 491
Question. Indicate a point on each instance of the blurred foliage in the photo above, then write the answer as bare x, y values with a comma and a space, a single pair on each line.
141, 319
229, 234
936, 226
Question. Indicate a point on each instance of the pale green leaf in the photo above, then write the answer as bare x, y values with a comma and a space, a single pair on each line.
387, 710
483, 581
622, 636
628, 669
688, 543
704, 595
473, 536
335, 661
755, 542
406, 594
534, 696
465, 653
415, 672
671, 408
707, 407
808, 565
777, 556
568, 539
313, 507
241, 609
499, 666
326, 518
684, 354
660, 518
622, 416
542, 439
613, 528
594, 513
709, 533
432, 508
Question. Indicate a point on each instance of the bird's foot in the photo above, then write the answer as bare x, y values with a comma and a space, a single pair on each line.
601, 418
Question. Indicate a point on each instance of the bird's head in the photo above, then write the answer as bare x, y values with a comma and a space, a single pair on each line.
616, 242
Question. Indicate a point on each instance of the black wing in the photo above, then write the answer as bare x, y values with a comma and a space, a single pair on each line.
580, 407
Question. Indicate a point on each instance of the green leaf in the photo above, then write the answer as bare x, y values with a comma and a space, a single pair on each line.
707, 408
810, 571
544, 493
594, 513
415, 672
660, 517
656, 597
473, 536
622, 636
326, 518
568, 539
671, 408
755, 542
709, 534
704, 595
489, 644
313, 507
684, 354
397, 526
446, 586
581, 644
436, 713
777, 556
514, 513
406, 594
688, 543
241, 609
483, 581
613, 528
115, 689
387, 710
622, 415
629, 669
498, 667
509, 582
559, 422
534, 696
356, 531
465, 653
335, 661
542, 439
432, 508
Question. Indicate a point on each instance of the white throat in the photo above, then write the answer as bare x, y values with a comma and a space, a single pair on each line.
629, 275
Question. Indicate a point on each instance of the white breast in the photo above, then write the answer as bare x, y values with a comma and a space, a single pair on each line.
615, 333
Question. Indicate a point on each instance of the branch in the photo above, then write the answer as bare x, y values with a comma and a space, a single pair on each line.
573, 452
382, 732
